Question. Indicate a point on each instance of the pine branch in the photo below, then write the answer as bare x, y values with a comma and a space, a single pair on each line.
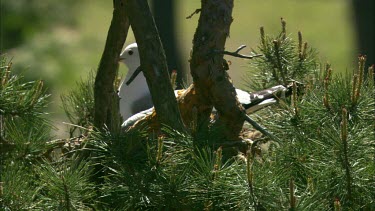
283, 60
78, 105
346, 164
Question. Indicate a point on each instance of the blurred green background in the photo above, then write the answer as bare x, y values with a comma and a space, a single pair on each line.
62, 41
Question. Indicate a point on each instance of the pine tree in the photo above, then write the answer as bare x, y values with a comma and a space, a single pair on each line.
323, 161
23, 134
326, 158
33, 173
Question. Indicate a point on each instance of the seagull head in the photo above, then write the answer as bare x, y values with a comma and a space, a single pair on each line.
130, 57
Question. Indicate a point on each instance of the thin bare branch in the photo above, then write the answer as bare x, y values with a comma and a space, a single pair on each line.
236, 53
192, 14
261, 129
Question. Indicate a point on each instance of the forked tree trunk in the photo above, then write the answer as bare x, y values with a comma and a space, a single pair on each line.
212, 86
105, 96
211, 80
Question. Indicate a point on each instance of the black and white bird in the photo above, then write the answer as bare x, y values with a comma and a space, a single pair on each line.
135, 97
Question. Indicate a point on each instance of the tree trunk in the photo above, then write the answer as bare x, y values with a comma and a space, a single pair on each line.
364, 23
212, 82
153, 63
165, 19
105, 96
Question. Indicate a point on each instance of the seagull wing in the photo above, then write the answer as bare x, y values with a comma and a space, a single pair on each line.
253, 101
136, 117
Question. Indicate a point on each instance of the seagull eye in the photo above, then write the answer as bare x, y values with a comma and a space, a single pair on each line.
130, 52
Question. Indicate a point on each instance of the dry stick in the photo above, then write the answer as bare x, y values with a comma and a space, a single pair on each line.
292, 197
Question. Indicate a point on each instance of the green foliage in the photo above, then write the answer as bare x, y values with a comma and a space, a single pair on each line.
18, 187
23, 129
28, 181
79, 105
25, 100
328, 149
284, 60
65, 185
23, 136
168, 172
328, 133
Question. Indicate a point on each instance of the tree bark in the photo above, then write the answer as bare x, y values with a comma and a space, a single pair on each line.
153, 63
211, 80
105, 96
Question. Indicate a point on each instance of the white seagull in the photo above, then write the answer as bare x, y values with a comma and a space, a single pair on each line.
135, 97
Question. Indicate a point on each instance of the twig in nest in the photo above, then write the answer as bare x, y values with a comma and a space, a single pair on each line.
192, 14
236, 53
261, 129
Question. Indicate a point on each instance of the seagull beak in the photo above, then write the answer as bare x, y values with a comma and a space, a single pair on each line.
132, 77
121, 59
